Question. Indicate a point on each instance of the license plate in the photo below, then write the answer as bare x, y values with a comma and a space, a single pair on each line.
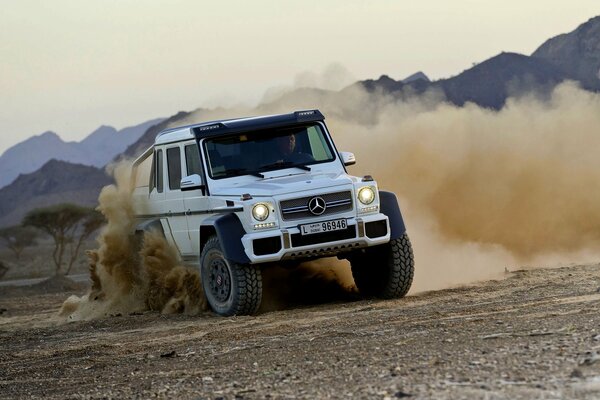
321, 227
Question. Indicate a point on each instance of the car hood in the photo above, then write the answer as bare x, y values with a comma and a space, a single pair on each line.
297, 183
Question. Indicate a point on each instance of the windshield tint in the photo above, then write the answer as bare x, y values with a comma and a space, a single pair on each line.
254, 152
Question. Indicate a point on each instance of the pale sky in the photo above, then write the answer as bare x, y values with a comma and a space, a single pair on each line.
70, 66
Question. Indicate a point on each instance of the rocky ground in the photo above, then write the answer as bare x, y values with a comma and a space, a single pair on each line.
535, 334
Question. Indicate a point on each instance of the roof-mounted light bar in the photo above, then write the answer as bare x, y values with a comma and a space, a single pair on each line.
308, 115
211, 127
256, 123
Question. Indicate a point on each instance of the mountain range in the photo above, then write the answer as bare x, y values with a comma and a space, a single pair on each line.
571, 56
576, 54
55, 182
97, 149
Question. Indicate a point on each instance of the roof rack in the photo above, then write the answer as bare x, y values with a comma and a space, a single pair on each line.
219, 127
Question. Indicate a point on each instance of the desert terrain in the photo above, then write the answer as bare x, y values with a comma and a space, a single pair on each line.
532, 334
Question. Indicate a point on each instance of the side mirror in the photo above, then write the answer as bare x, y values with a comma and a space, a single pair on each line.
348, 158
191, 182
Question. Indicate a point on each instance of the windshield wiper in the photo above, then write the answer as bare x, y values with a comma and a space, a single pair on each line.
283, 164
242, 171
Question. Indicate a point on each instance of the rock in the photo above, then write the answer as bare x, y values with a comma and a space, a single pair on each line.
576, 373
589, 358
169, 354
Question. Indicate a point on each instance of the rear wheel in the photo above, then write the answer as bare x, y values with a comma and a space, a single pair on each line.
230, 288
384, 271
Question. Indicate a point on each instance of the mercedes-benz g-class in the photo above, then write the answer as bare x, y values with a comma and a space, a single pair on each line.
234, 195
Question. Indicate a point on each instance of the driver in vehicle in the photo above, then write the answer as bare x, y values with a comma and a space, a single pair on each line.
286, 146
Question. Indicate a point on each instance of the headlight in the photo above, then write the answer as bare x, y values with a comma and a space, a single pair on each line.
366, 195
260, 212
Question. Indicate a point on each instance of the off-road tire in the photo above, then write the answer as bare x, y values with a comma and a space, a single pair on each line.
240, 288
384, 271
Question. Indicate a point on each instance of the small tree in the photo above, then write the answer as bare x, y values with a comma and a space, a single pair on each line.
92, 221
16, 238
68, 225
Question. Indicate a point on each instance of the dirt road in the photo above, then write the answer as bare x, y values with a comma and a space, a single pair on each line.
533, 335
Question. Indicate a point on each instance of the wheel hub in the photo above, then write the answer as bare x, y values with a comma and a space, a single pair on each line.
220, 280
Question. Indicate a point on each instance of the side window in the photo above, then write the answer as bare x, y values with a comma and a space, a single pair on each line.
192, 160
320, 150
142, 172
152, 182
174, 164
159, 171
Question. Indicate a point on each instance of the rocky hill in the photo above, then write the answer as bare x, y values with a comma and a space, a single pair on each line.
415, 77
60, 181
147, 139
573, 56
576, 53
487, 84
97, 149
491, 82
55, 182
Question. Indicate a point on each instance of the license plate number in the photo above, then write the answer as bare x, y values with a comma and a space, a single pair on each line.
321, 227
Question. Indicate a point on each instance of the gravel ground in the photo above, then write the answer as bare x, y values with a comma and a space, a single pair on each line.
533, 335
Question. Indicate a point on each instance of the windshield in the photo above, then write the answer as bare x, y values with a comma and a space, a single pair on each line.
252, 153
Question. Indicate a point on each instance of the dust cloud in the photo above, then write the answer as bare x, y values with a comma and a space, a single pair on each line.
481, 190
129, 273
485, 190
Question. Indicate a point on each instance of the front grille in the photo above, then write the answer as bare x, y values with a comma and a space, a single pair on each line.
298, 208
305, 240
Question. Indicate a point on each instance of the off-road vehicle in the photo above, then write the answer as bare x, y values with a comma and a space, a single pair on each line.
234, 195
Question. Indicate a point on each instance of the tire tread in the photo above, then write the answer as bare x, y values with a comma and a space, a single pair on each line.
248, 294
392, 280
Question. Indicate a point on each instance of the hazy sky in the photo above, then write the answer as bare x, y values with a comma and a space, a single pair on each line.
69, 66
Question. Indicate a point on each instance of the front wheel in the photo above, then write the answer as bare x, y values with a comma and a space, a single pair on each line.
384, 271
230, 288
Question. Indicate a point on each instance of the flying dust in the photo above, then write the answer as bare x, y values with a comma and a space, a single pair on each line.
132, 274
481, 190
485, 190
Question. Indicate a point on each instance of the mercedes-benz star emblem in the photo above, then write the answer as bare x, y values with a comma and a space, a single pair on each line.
317, 205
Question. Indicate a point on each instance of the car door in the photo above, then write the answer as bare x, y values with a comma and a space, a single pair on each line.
157, 205
174, 206
196, 203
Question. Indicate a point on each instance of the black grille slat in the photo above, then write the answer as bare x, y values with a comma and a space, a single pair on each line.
298, 208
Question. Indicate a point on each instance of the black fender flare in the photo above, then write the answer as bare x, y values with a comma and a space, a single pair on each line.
230, 231
389, 207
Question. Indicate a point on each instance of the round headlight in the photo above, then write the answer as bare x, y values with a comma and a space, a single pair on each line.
366, 195
260, 212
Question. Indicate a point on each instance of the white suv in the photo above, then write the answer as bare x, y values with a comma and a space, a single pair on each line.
233, 195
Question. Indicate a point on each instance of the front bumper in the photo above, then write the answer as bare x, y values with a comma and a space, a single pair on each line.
289, 244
